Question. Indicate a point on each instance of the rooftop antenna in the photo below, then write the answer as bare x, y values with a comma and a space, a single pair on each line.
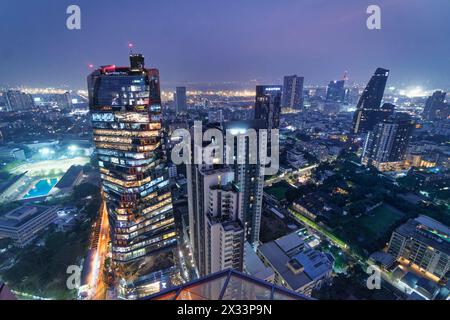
130, 46
345, 78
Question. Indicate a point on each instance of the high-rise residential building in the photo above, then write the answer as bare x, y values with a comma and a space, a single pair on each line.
423, 242
268, 105
125, 108
293, 92
215, 219
225, 201
336, 91
388, 142
18, 101
248, 176
368, 108
436, 108
180, 100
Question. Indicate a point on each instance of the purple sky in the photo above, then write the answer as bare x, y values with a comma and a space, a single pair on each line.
222, 41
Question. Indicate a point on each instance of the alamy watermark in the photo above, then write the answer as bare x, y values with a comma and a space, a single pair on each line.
374, 20
374, 280
239, 146
74, 280
73, 21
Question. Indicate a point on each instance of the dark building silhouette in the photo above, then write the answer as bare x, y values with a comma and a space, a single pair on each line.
125, 108
336, 91
18, 101
435, 107
368, 108
268, 105
293, 92
180, 100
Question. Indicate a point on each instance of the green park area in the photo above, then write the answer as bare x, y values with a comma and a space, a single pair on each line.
380, 219
371, 231
362, 226
278, 190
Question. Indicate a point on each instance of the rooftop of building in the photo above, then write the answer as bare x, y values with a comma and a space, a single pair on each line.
290, 242
253, 264
428, 231
21, 215
227, 285
298, 268
69, 177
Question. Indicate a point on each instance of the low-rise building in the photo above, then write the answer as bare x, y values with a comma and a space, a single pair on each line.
424, 244
71, 178
296, 266
23, 224
255, 267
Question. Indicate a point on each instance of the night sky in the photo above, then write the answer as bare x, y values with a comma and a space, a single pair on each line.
228, 40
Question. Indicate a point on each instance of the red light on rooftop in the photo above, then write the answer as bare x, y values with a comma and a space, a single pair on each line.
110, 68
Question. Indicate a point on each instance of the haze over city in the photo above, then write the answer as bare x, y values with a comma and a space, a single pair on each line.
233, 151
231, 41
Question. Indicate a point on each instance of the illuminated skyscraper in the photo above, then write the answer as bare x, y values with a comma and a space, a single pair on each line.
292, 92
268, 105
367, 113
389, 140
125, 108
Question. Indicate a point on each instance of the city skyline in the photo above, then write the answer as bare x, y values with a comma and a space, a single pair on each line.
253, 150
204, 43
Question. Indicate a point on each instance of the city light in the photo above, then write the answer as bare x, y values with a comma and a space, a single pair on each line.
72, 148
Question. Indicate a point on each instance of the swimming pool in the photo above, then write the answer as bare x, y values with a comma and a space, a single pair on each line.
41, 188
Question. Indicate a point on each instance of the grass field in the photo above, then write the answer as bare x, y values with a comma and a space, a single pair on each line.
381, 219
278, 190
369, 232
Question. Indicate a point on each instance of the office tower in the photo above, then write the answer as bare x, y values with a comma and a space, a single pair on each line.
215, 116
388, 142
125, 108
180, 100
435, 107
336, 91
18, 101
424, 243
366, 114
215, 218
293, 92
268, 105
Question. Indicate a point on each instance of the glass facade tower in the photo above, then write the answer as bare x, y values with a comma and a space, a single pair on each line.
125, 107
368, 112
